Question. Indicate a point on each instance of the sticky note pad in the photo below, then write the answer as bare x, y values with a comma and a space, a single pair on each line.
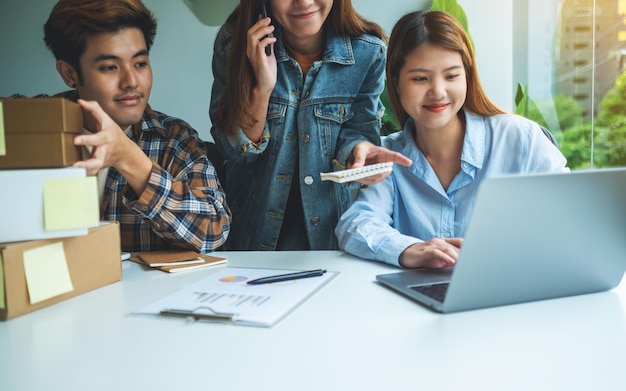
3, 147
47, 274
2, 306
70, 203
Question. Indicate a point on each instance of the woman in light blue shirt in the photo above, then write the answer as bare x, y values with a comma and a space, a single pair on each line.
295, 94
455, 137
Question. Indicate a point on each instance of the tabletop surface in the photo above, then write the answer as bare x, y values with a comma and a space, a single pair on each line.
353, 334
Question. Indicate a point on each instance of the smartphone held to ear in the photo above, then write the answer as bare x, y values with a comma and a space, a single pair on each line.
268, 48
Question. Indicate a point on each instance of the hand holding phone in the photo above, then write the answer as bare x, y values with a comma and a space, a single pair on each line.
268, 48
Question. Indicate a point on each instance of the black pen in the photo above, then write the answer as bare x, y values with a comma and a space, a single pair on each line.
287, 277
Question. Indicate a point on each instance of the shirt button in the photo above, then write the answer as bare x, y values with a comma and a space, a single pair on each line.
446, 234
306, 137
315, 220
308, 180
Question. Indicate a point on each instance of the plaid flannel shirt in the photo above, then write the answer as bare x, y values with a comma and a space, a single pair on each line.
183, 205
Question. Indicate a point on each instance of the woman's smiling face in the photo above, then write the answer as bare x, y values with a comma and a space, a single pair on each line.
432, 86
302, 19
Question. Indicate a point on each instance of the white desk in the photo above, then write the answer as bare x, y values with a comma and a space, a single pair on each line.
352, 335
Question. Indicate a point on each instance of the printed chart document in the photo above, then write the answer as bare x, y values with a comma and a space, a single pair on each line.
226, 292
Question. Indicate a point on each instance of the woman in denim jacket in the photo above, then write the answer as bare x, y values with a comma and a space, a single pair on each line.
295, 94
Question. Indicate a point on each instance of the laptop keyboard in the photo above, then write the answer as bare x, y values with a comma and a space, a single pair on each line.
435, 291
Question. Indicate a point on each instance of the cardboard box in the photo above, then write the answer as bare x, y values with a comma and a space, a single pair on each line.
26, 200
39, 132
93, 261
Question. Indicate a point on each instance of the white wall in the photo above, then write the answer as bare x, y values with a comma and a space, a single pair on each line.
181, 55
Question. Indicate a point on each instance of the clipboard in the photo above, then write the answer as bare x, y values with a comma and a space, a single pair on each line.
195, 315
224, 296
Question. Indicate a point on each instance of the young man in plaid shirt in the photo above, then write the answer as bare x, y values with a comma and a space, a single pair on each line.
153, 173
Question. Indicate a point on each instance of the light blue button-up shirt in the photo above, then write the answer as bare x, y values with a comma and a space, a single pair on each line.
411, 206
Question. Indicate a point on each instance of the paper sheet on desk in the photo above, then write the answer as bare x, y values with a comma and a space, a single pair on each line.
225, 291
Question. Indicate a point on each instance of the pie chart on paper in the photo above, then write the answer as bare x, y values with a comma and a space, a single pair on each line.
233, 279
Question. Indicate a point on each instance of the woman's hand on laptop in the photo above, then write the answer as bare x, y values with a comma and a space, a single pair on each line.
434, 253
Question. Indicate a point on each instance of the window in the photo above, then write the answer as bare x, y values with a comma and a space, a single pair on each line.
578, 95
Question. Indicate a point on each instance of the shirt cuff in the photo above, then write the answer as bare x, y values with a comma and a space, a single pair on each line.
391, 248
245, 144
150, 201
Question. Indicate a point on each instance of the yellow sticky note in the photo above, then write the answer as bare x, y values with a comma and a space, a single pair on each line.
3, 147
70, 203
2, 305
47, 274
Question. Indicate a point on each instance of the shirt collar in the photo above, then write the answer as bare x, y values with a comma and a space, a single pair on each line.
474, 143
150, 123
473, 151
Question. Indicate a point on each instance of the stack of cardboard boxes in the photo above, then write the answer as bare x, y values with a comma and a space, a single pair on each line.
52, 244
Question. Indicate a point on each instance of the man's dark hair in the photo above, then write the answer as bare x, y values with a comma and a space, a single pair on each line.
72, 22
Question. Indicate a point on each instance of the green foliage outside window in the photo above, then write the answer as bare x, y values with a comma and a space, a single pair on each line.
610, 140
575, 133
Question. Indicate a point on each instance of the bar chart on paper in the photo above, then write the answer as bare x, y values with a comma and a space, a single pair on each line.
225, 292
230, 299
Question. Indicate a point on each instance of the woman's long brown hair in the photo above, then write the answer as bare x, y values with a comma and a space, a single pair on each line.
235, 105
439, 29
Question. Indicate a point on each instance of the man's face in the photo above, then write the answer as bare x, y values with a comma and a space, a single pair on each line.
116, 73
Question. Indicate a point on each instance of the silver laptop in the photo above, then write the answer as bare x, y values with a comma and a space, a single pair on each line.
531, 237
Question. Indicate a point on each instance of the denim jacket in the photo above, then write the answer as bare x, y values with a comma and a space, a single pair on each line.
319, 120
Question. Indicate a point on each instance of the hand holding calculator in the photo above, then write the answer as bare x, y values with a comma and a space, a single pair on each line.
354, 174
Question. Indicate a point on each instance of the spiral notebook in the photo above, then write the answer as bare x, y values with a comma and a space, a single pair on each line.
354, 174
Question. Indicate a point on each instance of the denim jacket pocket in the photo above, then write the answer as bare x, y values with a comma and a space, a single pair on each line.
276, 121
330, 117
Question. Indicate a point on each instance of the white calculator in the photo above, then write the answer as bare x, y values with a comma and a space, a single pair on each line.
354, 174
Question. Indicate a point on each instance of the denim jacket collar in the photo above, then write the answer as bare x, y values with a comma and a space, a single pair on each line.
338, 48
